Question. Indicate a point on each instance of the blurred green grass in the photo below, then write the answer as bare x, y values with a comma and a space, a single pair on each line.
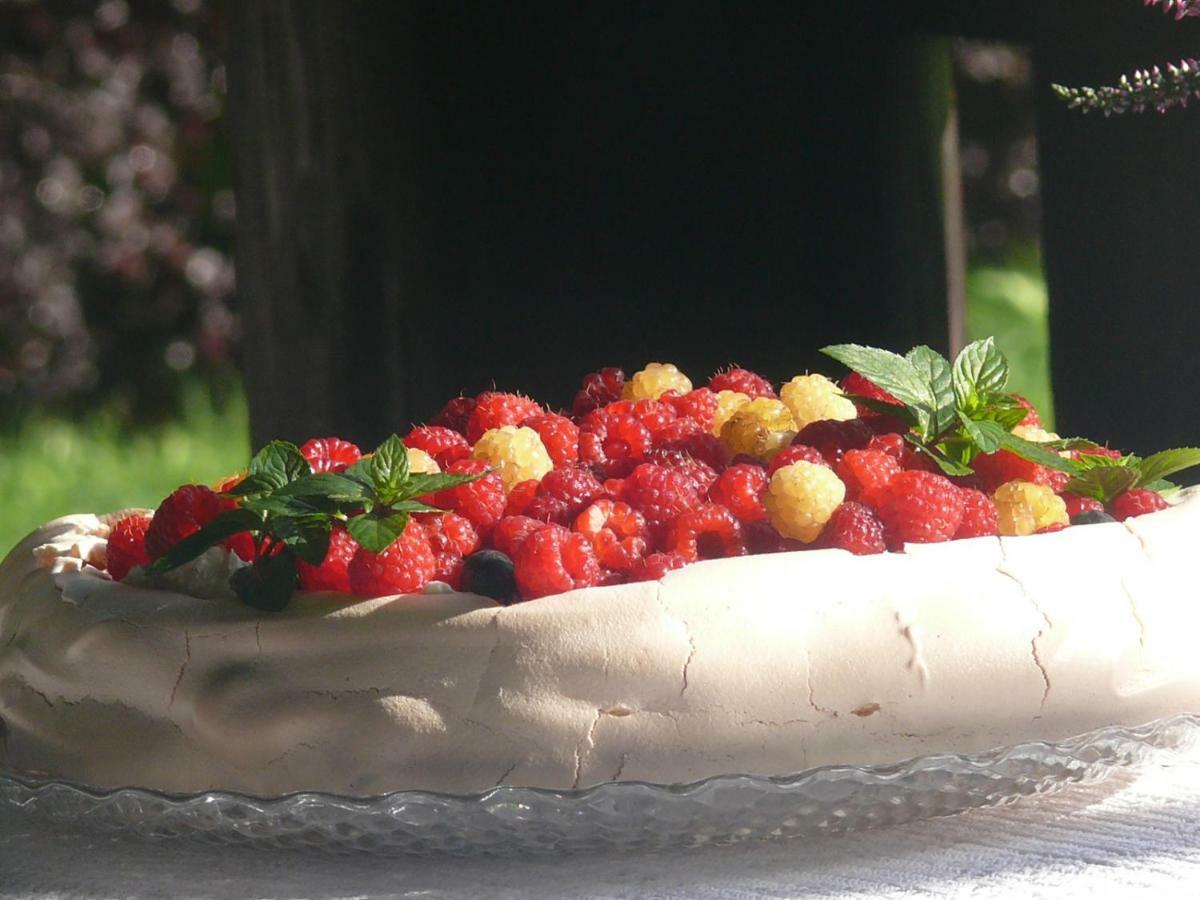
1010, 303
51, 466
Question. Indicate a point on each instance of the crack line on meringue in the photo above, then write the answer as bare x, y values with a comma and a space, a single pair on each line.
1033, 645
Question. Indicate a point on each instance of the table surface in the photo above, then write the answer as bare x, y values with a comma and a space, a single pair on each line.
1135, 834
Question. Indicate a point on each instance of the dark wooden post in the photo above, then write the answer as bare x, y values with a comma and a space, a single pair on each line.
433, 198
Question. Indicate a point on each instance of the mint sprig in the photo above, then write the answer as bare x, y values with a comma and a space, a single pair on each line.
290, 511
956, 411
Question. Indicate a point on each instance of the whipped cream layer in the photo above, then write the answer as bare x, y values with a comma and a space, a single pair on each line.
765, 664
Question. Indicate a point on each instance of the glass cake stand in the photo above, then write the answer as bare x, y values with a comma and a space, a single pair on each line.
616, 816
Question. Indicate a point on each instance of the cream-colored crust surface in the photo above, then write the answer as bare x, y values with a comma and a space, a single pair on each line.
766, 664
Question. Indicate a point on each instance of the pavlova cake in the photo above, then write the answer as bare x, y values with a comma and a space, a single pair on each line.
669, 583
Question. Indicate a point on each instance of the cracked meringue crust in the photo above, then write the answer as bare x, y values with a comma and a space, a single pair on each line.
766, 665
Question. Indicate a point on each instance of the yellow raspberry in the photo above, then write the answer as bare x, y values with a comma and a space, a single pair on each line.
728, 402
1035, 433
654, 381
760, 428
1025, 507
812, 398
422, 463
518, 454
801, 498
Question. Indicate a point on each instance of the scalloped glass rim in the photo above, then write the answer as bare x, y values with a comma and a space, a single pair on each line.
627, 815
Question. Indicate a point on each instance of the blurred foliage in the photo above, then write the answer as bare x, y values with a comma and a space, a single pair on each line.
52, 466
1010, 303
116, 211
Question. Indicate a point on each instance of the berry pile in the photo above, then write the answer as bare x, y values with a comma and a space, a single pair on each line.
645, 474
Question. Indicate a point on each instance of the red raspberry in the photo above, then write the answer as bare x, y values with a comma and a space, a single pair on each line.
185, 512
796, 453
656, 415
862, 386
481, 501
612, 443
455, 414
511, 531
599, 389
920, 508
617, 531
660, 494
563, 493
330, 454
1136, 502
520, 497
853, 527
700, 446
701, 474
740, 488
655, 566
865, 473
834, 438
709, 531
494, 410
559, 435
451, 537
403, 568
553, 560
127, 546
679, 429
1076, 504
445, 445
761, 537
1003, 466
893, 445
229, 482
1031, 417
699, 406
979, 515
332, 574
743, 381
880, 423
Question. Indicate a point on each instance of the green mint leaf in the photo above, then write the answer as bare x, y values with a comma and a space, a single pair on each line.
1088, 461
306, 536
377, 532
1166, 462
389, 468
1075, 443
277, 464
903, 413
412, 506
986, 435
273, 505
893, 373
327, 485
1167, 489
251, 484
1007, 417
1037, 453
945, 463
225, 525
1103, 483
979, 369
361, 472
269, 583
421, 484
935, 370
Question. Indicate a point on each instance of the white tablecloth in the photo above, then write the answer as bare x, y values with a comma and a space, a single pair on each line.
1136, 834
